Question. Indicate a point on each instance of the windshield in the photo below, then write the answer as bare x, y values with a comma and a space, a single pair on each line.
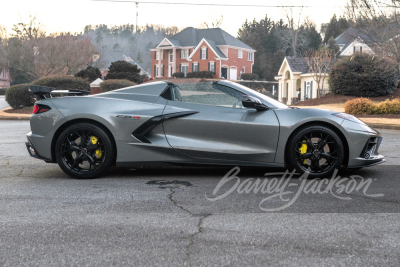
261, 96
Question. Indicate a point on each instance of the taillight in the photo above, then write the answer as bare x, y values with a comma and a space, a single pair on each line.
38, 108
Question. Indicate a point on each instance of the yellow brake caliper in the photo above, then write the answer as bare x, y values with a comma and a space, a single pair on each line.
98, 152
303, 149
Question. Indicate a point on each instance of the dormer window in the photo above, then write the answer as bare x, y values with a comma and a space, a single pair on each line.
357, 49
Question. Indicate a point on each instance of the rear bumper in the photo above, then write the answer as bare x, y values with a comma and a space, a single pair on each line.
32, 151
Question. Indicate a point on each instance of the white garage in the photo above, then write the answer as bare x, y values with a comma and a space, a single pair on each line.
233, 73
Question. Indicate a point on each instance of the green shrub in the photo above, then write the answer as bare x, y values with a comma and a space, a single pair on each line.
63, 83
90, 74
189, 75
254, 76
208, 74
363, 75
124, 70
249, 76
178, 75
19, 96
109, 85
359, 106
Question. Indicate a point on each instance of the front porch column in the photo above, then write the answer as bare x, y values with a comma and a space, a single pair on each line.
292, 90
160, 51
174, 60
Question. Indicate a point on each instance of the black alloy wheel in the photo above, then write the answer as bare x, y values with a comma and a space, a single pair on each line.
317, 150
84, 151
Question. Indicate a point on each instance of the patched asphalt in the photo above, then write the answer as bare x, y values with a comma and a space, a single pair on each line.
165, 216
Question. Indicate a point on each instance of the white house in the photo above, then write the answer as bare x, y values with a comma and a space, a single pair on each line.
294, 75
296, 80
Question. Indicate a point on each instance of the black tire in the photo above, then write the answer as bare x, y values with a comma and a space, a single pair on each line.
317, 149
87, 159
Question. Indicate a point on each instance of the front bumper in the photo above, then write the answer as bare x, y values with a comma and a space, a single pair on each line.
369, 155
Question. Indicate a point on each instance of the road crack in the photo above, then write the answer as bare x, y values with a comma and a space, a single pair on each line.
191, 237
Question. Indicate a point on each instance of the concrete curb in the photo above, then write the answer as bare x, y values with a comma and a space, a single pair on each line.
384, 126
13, 116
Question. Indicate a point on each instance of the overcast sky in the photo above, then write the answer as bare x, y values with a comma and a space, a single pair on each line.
73, 15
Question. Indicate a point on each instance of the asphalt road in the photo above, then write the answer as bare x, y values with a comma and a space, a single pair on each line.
3, 103
162, 217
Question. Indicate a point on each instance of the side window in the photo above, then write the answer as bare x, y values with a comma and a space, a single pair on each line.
207, 93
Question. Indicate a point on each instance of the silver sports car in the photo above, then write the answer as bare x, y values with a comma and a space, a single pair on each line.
220, 123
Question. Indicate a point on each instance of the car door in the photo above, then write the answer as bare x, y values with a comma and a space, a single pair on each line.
217, 126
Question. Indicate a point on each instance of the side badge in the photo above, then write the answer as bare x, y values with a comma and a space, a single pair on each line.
128, 117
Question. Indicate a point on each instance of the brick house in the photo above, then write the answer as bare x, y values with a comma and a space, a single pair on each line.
4, 79
194, 50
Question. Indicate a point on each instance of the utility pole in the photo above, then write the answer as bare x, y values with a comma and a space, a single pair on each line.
137, 13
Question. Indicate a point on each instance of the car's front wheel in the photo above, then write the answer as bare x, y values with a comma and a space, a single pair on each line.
317, 150
84, 151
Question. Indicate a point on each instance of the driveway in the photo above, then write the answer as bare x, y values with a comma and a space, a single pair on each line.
162, 217
3, 103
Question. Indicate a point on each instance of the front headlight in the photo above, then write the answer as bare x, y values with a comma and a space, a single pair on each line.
348, 117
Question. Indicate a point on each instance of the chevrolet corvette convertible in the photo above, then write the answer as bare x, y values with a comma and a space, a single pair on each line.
206, 123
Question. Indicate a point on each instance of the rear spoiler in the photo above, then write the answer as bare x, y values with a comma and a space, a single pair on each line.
42, 92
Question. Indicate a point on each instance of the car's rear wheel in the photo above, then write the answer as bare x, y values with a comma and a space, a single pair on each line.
317, 150
84, 151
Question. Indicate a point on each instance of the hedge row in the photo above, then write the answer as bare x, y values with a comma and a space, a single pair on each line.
249, 76
18, 96
63, 83
366, 106
109, 85
196, 74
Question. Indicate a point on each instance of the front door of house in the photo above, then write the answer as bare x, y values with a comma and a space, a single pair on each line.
169, 70
224, 73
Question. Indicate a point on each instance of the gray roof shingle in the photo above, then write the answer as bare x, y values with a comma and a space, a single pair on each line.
192, 36
298, 64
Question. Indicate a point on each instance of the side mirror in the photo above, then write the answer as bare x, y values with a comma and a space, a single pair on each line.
253, 102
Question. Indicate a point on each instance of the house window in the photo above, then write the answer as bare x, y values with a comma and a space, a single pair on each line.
357, 49
195, 67
212, 65
244, 69
171, 56
185, 68
156, 74
204, 53
4, 73
184, 53
249, 56
240, 54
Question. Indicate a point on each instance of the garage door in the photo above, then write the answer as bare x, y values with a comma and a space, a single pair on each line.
233, 74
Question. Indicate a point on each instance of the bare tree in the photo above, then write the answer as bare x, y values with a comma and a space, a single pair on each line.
31, 30
294, 20
380, 21
215, 23
318, 62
